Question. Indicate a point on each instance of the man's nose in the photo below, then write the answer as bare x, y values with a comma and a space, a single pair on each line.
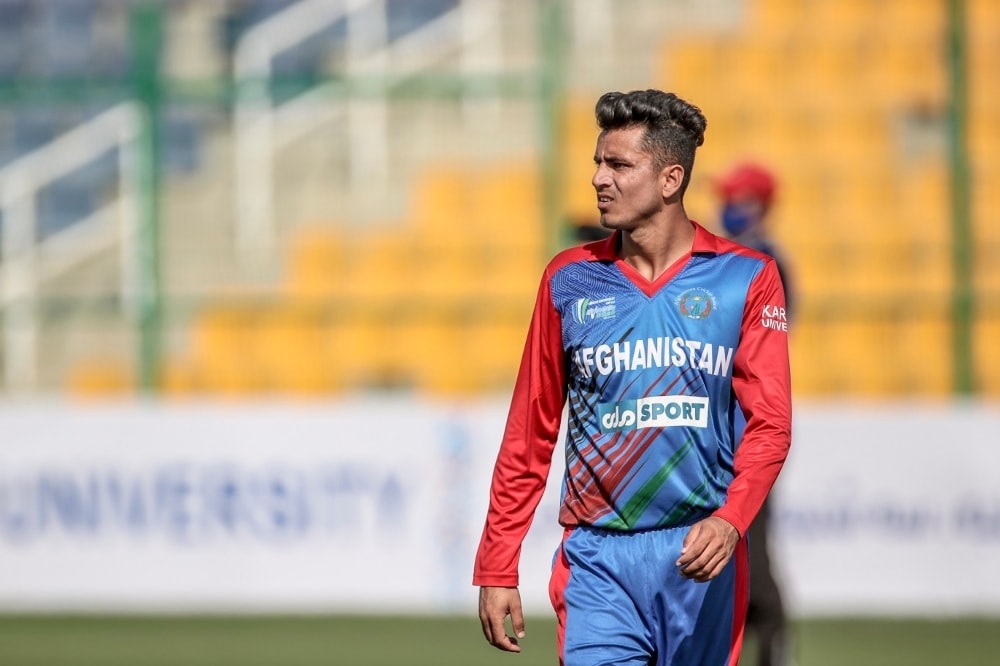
601, 176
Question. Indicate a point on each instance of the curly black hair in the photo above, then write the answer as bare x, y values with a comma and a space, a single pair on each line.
674, 127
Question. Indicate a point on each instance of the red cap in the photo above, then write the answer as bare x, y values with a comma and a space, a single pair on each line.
747, 180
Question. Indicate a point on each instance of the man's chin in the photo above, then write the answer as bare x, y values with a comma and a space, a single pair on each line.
614, 225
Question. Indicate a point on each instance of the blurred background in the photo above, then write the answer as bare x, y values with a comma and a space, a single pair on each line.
298, 240
213, 198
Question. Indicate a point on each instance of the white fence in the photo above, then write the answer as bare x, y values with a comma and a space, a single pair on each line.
26, 261
377, 505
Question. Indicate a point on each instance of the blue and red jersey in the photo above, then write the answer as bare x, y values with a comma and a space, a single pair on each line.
652, 373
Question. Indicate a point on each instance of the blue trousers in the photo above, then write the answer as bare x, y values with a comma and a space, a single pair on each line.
620, 599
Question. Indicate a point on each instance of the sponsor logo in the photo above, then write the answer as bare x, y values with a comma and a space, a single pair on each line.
587, 309
696, 303
774, 318
655, 412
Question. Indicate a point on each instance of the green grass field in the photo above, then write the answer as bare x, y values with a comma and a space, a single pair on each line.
448, 641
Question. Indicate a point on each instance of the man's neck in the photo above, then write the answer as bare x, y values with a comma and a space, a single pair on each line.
654, 248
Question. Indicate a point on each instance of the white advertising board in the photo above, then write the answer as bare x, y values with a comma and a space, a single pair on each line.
891, 509
369, 505
377, 505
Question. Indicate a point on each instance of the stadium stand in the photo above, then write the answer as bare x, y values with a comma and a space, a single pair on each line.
851, 117
860, 192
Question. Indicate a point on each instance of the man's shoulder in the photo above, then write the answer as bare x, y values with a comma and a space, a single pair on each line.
730, 246
599, 250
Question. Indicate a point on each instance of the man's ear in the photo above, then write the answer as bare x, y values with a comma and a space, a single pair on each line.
672, 177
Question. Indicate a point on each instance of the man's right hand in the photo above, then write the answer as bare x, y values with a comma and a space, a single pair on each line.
495, 604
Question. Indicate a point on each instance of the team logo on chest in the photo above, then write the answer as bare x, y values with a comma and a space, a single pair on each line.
696, 303
587, 309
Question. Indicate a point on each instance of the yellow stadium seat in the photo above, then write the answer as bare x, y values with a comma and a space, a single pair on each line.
911, 19
222, 351
811, 362
446, 273
292, 351
776, 17
96, 378
509, 279
862, 346
987, 352
816, 71
441, 201
983, 17
889, 363
816, 268
801, 194
910, 70
846, 363
232, 381
317, 264
431, 352
689, 64
774, 138
986, 232
833, 363
506, 204
924, 187
983, 137
982, 35
578, 137
850, 139
843, 19
362, 351
495, 344
380, 268
929, 271
920, 356
179, 378
986, 274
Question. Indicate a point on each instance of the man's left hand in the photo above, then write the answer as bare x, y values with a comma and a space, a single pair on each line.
707, 548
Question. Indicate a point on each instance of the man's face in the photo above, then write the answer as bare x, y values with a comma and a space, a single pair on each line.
629, 186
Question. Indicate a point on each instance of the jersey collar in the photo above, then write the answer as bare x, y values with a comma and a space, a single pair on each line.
705, 242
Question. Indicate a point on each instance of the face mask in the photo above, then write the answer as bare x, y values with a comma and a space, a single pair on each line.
736, 219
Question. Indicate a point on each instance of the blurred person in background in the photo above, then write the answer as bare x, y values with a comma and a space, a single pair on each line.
650, 336
746, 195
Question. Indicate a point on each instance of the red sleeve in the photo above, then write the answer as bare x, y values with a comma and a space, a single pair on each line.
522, 466
762, 384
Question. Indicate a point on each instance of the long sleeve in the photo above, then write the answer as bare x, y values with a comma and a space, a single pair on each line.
762, 385
522, 465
